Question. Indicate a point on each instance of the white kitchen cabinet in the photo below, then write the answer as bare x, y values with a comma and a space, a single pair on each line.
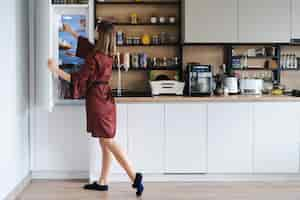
276, 137
208, 21
121, 138
146, 137
121, 134
295, 19
230, 143
186, 138
264, 21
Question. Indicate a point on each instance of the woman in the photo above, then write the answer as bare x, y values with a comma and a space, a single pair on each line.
92, 82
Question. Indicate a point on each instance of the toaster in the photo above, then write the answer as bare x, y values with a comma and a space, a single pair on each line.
251, 86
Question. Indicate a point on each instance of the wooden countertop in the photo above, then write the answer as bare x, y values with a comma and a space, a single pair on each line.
180, 99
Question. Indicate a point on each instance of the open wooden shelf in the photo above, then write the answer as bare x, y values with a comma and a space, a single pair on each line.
255, 57
169, 68
139, 2
174, 68
120, 10
252, 69
144, 24
150, 45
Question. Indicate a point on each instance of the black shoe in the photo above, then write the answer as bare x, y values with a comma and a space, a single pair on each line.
140, 190
95, 186
138, 184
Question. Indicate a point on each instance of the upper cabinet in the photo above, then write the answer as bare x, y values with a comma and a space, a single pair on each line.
295, 19
264, 21
209, 21
243, 21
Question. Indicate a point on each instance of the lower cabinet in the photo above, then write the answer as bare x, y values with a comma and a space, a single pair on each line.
146, 137
186, 138
276, 137
230, 143
207, 138
121, 135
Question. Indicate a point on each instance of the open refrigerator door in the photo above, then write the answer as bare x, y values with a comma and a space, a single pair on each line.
53, 42
65, 46
44, 87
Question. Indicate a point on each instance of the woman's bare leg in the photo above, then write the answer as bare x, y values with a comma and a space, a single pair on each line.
120, 157
106, 163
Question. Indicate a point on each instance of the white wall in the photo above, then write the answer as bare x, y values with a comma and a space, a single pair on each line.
14, 118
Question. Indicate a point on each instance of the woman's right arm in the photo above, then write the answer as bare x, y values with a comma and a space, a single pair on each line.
68, 28
55, 70
84, 46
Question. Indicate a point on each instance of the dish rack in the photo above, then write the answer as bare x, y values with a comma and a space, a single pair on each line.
167, 88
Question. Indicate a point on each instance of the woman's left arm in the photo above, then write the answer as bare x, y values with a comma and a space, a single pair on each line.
52, 66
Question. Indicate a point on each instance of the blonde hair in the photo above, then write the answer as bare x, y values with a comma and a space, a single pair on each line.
106, 40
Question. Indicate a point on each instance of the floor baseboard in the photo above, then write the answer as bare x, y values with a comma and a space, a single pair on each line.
208, 177
84, 175
19, 188
60, 175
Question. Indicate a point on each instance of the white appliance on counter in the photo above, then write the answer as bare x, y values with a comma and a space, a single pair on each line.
231, 83
251, 86
167, 88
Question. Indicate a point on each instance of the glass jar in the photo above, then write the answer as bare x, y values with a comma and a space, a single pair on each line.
129, 40
155, 40
136, 40
134, 18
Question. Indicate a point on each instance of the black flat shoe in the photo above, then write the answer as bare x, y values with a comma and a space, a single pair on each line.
138, 180
140, 190
95, 186
138, 184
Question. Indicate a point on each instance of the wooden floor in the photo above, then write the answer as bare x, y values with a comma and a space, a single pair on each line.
71, 190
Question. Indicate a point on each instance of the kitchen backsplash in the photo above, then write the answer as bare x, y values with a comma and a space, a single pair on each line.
291, 79
212, 55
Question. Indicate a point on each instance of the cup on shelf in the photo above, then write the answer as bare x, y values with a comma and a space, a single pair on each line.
162, 20
172, 20
153, 20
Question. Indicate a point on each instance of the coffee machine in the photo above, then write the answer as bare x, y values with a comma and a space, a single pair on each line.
199, 79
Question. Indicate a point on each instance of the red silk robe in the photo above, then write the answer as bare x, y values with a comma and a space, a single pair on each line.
100, 104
